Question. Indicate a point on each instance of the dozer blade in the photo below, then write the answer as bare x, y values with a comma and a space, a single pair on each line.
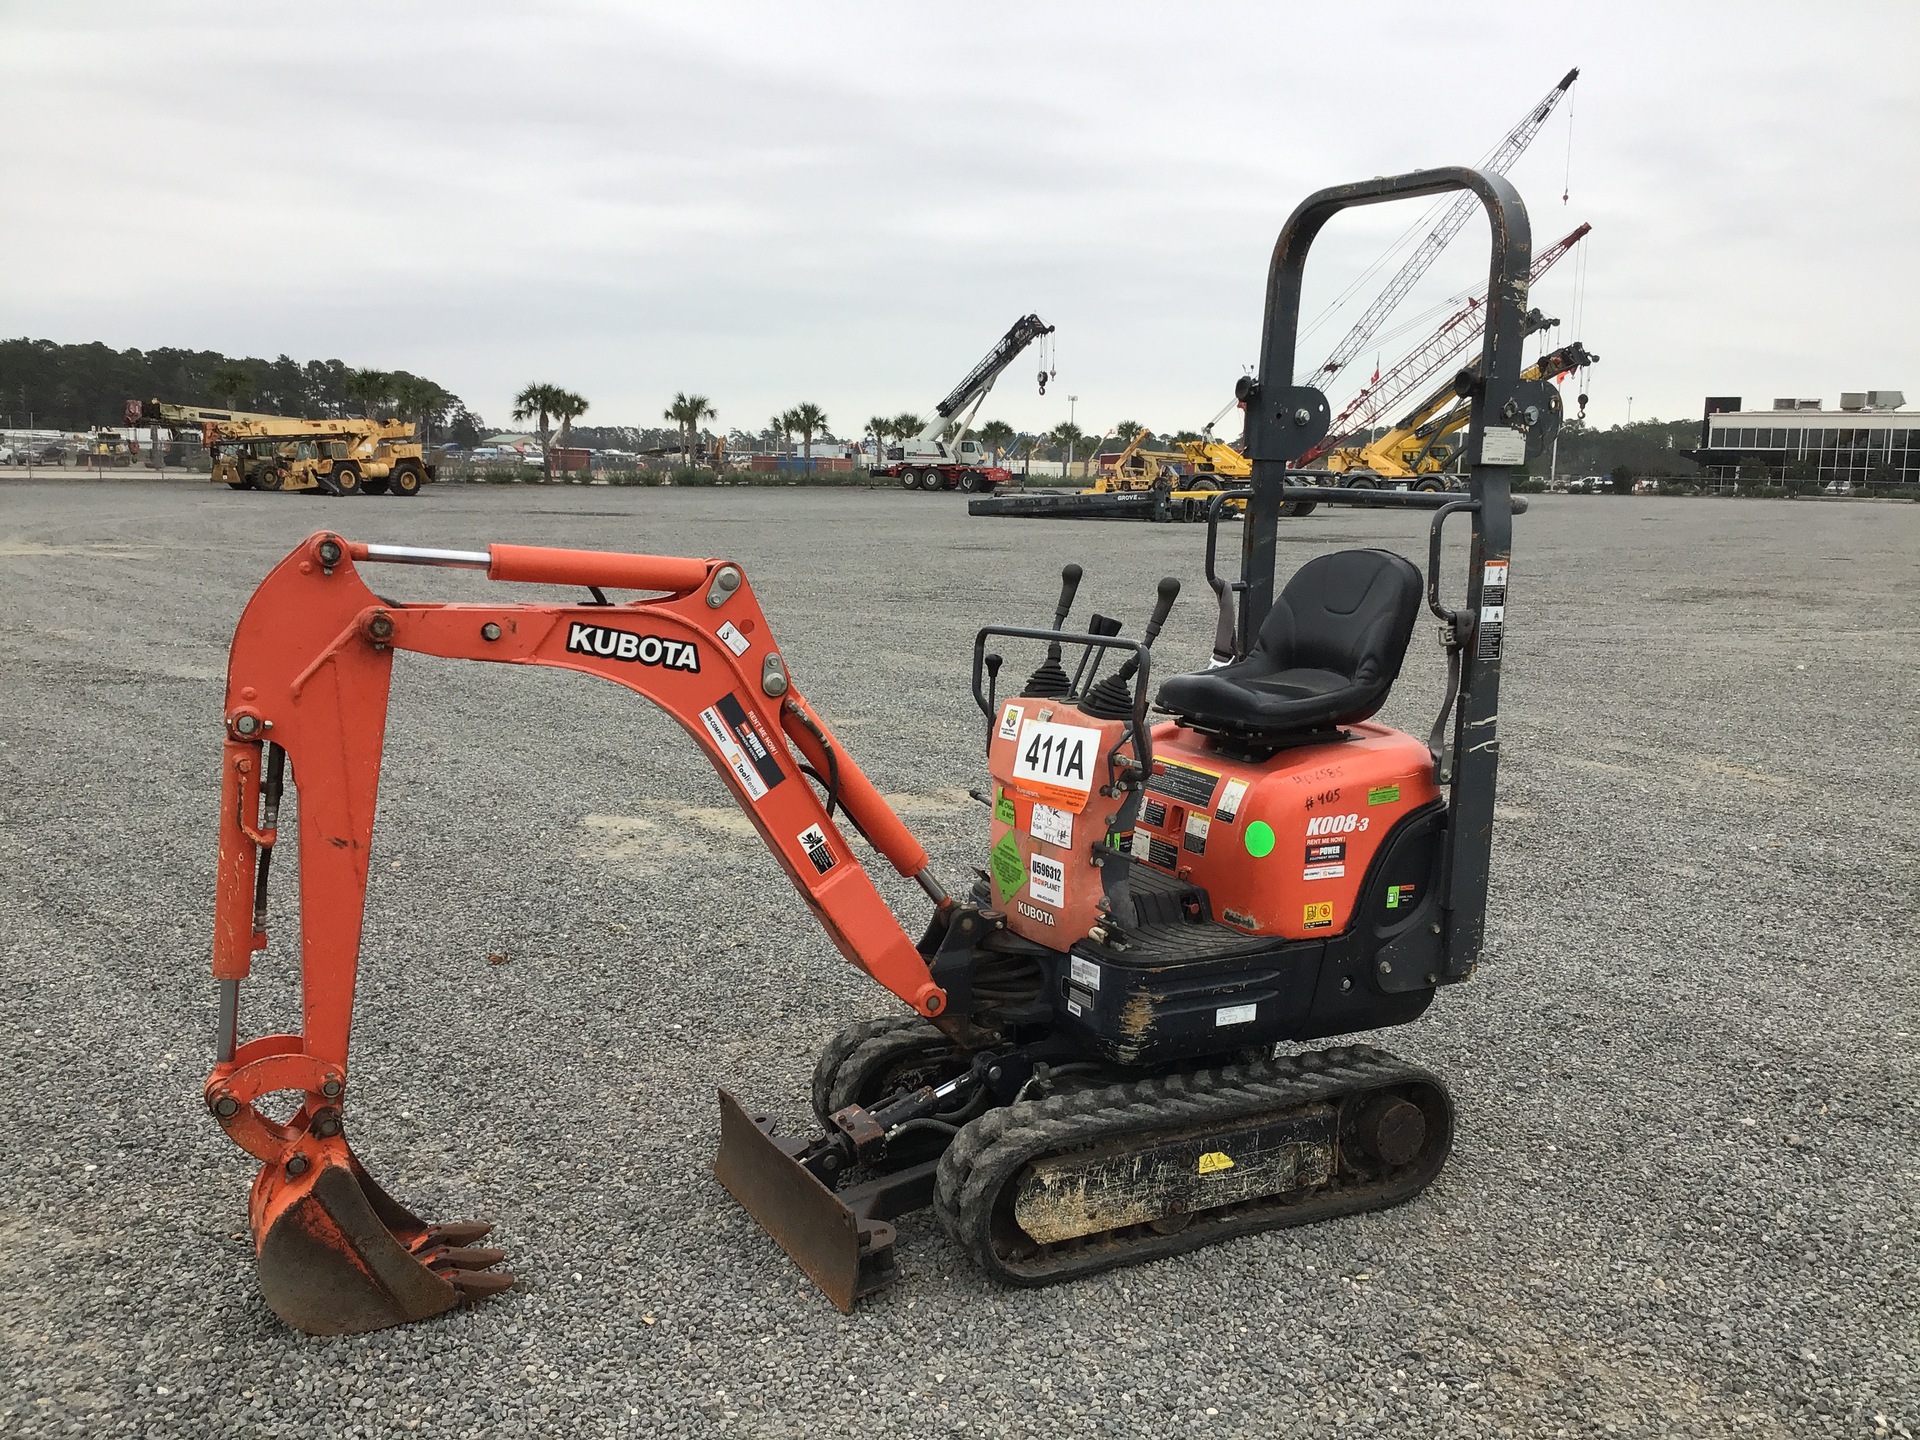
840, 1240
340, 1256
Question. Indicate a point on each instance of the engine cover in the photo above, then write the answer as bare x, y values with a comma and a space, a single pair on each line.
1280, 845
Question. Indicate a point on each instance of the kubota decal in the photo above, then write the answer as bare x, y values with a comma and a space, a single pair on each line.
614, 644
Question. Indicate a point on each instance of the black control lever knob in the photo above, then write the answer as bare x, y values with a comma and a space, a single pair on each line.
1069, 586
1169, 592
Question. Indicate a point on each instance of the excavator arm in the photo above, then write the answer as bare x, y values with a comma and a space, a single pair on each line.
307, 691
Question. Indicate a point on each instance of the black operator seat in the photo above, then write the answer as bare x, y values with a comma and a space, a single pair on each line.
1327, 654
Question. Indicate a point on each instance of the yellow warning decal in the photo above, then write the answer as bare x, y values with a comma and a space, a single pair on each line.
1318, 913
1215, 1161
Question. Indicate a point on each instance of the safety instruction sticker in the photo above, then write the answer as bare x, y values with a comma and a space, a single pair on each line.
744, 744
1188, 783
1083, 972
1048, 880
1051, 825
1319, 915
1214, 1161
1003, 810
1195, 838
1056, 762
1010, 719
1009, 870
1383, 795
1151, 848
814, 841
1399, 895
1230, 799
733, 639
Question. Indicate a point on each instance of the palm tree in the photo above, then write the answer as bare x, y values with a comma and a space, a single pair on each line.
687, 411
996, 435
881, 428
808, 417
421, 401
372, 388
906, 425
538, 402
1127, 429
229, 383
1064, 437
567, 407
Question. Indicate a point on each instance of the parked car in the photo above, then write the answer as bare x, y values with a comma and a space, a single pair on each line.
1839, 487
1587, 484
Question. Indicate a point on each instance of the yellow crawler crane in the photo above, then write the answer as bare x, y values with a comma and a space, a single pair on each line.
1413, 452
339, 456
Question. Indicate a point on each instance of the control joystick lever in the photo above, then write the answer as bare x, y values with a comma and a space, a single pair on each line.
1112, 698
1050, 679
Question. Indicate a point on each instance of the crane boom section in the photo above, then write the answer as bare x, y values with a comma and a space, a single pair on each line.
1455, 215
1455, 334
979, 380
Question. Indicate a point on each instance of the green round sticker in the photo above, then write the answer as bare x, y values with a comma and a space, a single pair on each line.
1259, 839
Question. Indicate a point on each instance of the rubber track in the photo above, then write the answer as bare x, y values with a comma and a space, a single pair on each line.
990, 1153
888, 1034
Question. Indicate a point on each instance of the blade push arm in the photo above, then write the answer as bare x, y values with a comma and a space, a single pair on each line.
309, 675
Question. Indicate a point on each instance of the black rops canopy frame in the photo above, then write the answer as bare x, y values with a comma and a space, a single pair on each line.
1511, 418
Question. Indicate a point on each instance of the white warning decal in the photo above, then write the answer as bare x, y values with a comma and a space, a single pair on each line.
1230, 799
814, 841
733, 639
1010, 722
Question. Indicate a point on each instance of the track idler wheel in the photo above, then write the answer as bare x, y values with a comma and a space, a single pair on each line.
340, 1256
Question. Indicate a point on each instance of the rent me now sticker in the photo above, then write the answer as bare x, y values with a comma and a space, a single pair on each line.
1055, 763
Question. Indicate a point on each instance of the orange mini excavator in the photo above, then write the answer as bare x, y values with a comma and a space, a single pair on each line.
1091, 1064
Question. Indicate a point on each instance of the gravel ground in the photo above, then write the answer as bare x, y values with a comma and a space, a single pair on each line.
1683, 1200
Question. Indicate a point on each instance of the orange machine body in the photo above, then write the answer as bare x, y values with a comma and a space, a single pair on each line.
1055, 805
1280, 845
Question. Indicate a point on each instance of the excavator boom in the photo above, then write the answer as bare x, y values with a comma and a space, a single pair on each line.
306, 703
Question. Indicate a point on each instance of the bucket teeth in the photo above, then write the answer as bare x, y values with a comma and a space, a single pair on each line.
339, 1256
467, 1257
459, 1232
478, 1284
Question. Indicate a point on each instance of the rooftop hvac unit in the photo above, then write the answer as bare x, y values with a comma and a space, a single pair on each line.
1788, 404
1810, 405
1853, 400
1885, 399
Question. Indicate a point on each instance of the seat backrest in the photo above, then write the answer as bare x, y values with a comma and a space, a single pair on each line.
1350, 612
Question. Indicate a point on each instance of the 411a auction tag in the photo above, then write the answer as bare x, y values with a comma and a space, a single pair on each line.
1055, 763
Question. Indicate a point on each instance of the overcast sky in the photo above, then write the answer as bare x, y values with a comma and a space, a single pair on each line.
850, 203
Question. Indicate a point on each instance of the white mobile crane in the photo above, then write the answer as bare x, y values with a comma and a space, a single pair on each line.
942, 456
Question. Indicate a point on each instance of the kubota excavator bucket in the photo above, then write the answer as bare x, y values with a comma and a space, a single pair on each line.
340, 1256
